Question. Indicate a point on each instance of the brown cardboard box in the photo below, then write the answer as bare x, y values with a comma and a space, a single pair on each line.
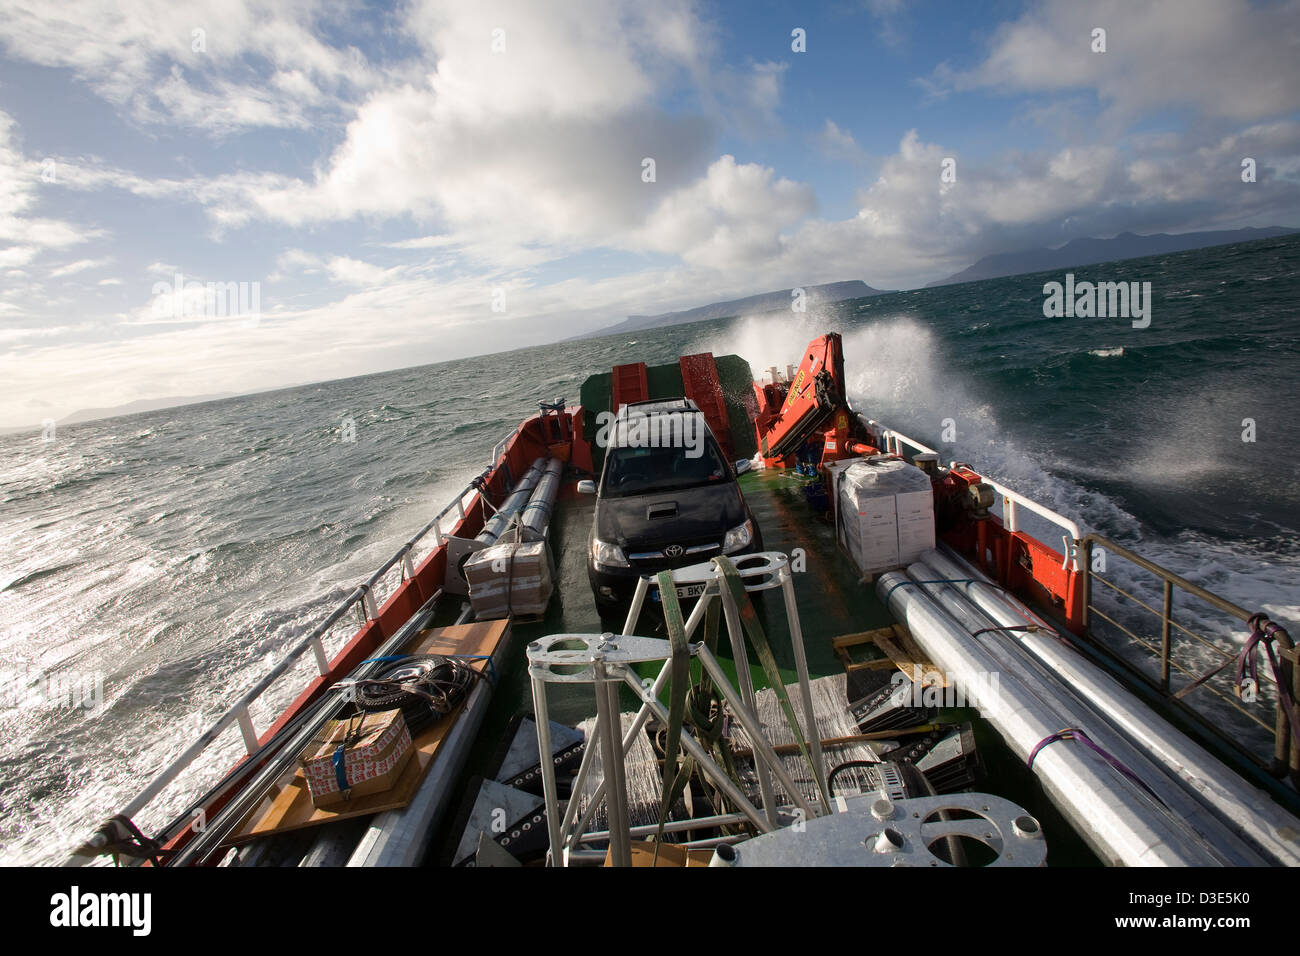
376, 747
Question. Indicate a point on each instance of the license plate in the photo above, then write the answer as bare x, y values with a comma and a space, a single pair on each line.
685, 591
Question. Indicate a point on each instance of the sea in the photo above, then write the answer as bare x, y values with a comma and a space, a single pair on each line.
154, 566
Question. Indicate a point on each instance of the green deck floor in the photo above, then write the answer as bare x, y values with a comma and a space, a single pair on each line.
831, 602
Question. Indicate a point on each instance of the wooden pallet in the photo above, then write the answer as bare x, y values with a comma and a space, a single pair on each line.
670, 854
288, 805
900, 651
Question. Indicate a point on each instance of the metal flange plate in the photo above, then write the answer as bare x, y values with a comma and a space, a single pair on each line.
571, 658
872, 830
760, 571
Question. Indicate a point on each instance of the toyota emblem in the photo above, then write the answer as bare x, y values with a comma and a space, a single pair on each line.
674, 551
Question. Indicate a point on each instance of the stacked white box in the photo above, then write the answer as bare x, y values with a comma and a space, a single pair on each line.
510, 579
915, 521
870, 531
886, 512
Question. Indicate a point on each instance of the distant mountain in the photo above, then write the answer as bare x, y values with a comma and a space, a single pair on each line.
764, 302
1084, 252
138, 407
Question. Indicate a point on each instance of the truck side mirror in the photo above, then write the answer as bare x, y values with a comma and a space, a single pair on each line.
743, 466
587, 487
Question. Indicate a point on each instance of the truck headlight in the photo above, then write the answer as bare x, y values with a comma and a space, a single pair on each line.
738, 537
608, 554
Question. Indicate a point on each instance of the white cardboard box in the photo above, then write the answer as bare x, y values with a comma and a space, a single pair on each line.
510, 579
886, 513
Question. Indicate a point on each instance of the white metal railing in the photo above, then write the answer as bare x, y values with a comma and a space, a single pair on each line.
499, 448
1011, 500
363, 596
894, 439
456, 504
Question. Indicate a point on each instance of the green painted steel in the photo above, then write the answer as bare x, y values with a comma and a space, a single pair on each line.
665, 381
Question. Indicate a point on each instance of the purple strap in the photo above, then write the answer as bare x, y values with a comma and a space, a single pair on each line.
1074, 733
1246, 664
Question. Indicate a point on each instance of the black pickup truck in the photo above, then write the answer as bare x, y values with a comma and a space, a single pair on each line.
667, 498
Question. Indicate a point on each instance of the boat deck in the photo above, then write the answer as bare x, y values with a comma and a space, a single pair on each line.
832, 601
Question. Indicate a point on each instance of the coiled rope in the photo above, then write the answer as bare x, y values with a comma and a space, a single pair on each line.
423, 686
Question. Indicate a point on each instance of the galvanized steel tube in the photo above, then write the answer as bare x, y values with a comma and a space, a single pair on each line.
519, 496
1261, 821
536, 515
1122, 823
1076, 711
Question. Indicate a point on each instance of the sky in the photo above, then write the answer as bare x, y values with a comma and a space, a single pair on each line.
222, 196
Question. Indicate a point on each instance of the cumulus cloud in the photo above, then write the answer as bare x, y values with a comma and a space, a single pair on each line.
837, 143
910, 225
731, 218
23, 236
505, 164
195, 63
501, 146
1221, 58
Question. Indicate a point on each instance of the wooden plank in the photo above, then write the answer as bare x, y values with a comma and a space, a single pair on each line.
880, 664
844, 642
670, 855
288, 806
900, 650
861, 637
915, 654
909, 658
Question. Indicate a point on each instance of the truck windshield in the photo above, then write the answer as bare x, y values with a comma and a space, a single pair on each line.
641, 471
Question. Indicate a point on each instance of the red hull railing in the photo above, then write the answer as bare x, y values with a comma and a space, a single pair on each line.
417, 585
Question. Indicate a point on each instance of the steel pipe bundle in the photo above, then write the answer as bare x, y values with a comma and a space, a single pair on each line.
1246, 809
1186, 812
1122, 822
536, 516
519, 496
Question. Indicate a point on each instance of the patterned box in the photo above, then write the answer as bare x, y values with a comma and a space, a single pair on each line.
360, 755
